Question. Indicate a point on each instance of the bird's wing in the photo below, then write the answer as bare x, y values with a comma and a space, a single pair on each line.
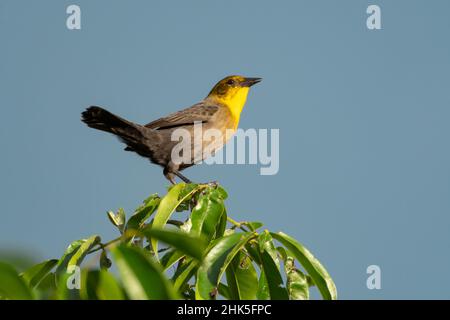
199, 112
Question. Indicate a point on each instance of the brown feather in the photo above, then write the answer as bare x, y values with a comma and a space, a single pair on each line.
199, 112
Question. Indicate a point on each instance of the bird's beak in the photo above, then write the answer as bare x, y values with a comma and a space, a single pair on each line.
248, 82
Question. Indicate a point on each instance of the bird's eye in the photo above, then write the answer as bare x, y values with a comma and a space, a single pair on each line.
230, 82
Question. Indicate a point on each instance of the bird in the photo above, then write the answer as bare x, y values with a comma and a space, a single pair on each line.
220, 110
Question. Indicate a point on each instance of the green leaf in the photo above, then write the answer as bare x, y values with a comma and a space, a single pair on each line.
224, 291
168, 204
37, 273
184, 273
282, 252
253, 251
274, 280
170, 258
312, 266
265, 242
12, 286
221, 225
46, 289
144, 212
89, 283
187, 195
73, 256
108, 288
216, 261
192, 246
271, 282
67, 286
297, 282
142, 277
222, 193
100, 285
263, 288
68, 254
254, 225
242, 278
117, 219
207, 215
82, 251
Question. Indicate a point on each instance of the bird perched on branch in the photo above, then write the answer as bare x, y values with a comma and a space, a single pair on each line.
220, 111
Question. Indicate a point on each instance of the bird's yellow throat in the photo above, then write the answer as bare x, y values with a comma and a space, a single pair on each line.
234, 99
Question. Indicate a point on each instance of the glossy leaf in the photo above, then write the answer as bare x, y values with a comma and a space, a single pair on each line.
265, 242
187, 193
283, 253
242, 278
168, 204
100, 285
192, 246
221, 225
254, 225
68, 278
82, 251
46, 289
297, 282
68, 285
34, 275
144, 212
274, 280
117, 219
206, 216
263, 292
171, 257
184, 273
222, 193
142, 277
252, 249
68, 254
312, 266
224, 291
216, 261
109, 288
12, 286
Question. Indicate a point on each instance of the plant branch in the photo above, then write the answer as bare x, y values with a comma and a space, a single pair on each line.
236, 224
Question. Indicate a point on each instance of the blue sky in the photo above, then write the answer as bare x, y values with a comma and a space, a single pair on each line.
363, 116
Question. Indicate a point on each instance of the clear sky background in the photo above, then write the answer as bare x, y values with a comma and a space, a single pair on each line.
363, 116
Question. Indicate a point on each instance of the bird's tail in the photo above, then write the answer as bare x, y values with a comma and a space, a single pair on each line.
101, 119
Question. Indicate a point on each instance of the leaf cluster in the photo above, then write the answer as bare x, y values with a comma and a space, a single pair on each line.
157, 256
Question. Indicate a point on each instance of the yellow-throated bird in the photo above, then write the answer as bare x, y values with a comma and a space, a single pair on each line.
220, 110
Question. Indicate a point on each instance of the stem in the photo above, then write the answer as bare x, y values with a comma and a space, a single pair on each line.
103, 246
236, 224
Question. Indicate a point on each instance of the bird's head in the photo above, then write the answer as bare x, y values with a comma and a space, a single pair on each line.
232, 91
